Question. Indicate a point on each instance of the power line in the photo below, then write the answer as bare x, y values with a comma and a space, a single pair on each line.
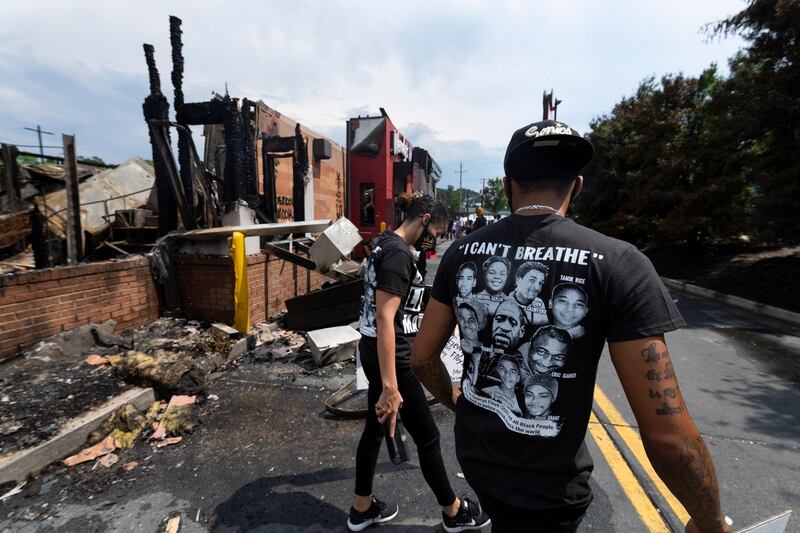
39, 132
31, 145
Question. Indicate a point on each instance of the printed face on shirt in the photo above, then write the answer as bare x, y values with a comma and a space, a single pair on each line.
547, 354
538, 400
508, 372
529, 286
507, 325
465, 282
467, 323
496, 277
569, 307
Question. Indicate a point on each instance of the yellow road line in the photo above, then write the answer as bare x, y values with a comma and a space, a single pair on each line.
636, 494
634, 442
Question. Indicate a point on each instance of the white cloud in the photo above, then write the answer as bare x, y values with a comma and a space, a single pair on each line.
470, 72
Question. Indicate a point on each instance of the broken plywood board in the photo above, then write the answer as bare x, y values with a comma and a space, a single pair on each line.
264, 230
333, 344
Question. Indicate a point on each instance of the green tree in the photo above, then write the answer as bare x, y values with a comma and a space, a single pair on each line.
759, 105
449, 197
659, 175
494, 198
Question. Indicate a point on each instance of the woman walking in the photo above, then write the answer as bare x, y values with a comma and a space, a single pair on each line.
390, 316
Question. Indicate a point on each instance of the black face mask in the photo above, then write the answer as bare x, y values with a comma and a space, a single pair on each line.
426, 241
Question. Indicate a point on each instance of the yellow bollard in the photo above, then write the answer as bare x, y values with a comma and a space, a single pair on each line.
241, 317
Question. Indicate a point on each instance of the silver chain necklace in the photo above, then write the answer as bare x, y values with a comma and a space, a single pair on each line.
536, 206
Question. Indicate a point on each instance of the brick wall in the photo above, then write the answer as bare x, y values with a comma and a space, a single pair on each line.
38, 304
271, 281
206, 287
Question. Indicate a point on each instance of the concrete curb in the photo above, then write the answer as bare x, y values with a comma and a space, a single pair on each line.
19, 465
749, 305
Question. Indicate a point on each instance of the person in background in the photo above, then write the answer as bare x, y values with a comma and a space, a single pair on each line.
480, 220
395, 287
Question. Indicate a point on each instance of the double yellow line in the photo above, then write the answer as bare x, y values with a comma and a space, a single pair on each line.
648, 512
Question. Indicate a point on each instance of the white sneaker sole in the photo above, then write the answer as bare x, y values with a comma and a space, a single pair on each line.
364, 525
472, 527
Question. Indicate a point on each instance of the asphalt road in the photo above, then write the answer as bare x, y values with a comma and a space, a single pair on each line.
268, 459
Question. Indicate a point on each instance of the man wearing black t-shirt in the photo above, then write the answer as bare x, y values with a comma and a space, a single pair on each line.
530, 467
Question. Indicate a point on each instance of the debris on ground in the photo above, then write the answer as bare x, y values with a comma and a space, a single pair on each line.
179, 417
71, 373
39, 400
108, 460
331, 345
16, 490
173, 524
91, 453
169, 441
167, 372
124, 425
67, 344
130, 465
95, 360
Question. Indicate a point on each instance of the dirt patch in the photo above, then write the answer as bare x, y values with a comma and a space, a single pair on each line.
766, 274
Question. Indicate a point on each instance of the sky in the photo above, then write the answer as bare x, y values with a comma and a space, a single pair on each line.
457, 77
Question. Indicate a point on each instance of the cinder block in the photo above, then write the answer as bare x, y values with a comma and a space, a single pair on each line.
224, 331
329, 345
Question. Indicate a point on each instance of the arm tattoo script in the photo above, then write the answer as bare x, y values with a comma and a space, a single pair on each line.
666, 386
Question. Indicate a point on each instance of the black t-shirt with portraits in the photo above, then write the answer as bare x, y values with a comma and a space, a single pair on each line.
536, 298
391, 267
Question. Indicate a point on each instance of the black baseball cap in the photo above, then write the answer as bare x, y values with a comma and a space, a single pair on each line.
546, 149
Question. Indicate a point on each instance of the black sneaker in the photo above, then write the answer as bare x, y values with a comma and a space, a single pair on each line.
378, 513
469, 516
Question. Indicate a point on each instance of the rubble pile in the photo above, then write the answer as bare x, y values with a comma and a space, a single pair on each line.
74, 372
163, 424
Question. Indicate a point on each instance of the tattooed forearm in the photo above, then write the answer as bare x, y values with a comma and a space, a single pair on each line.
433, 374
690, 475
663, 374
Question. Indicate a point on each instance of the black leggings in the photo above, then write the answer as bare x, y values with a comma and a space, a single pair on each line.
417, 419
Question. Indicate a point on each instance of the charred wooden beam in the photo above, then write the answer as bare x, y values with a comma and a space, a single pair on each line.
10, 173
234, 153
74, 233
184, 157
198, 113
270, 192
177, 59
277, 144
300, 175
156, 107
159, 132
249, 148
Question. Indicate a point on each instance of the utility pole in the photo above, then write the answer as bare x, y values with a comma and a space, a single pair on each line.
74, 233
460, 173
39, 131
483, 191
